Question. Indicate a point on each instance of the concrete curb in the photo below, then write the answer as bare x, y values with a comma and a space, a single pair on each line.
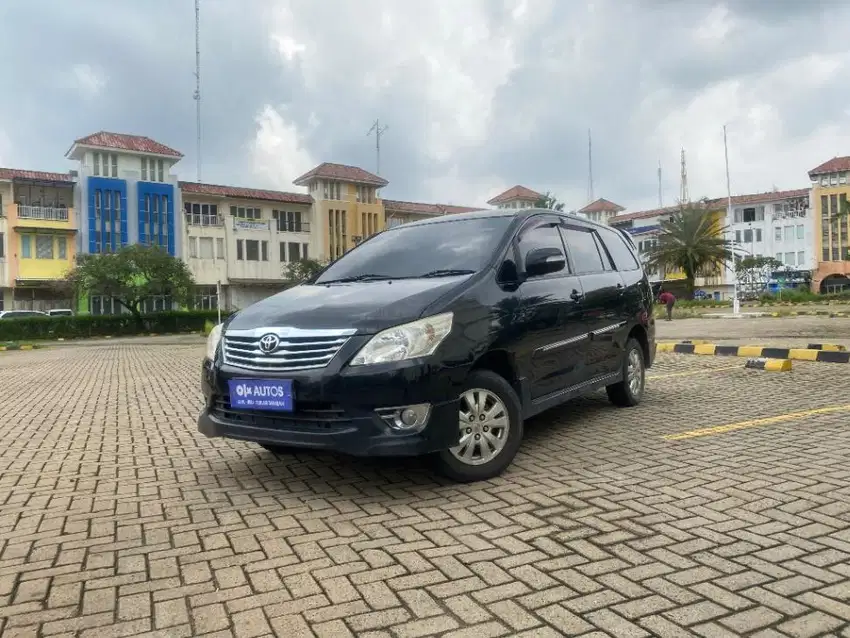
21, 346
829, 347
770, 365
797, 354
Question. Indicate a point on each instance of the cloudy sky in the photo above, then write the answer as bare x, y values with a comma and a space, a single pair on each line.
478, 95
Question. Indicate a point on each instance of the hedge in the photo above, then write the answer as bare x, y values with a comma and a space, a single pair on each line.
82, 326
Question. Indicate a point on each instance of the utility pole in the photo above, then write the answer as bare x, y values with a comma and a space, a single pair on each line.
589, 168
660, 202
736, 304
197, 95
684, 196
378, 130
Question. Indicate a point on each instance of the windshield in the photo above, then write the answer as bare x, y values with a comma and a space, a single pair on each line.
447, 248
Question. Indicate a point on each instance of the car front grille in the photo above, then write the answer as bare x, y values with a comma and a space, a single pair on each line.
307, 416
296, 349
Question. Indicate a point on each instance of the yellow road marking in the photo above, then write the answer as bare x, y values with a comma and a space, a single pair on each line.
693, 372
730, 427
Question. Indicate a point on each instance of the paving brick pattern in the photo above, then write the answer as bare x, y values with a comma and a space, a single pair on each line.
117, 519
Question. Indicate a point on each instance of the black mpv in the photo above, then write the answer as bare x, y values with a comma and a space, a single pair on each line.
437, 337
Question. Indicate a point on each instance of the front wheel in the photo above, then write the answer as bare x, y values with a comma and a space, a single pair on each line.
491, 429
629, 391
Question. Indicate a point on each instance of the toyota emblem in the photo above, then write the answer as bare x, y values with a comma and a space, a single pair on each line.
269, 343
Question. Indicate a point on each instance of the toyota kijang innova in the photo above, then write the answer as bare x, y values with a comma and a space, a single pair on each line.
437, 337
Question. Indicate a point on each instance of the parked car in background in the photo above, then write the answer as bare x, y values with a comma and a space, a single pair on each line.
437, 337
20, 314
60, 312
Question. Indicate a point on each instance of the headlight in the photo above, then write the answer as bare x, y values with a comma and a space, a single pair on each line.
213, 341
416, 339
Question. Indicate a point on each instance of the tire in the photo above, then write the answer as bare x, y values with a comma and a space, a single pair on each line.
626, 393
500, 397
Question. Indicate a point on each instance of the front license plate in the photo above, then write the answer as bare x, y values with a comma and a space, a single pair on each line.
262, 394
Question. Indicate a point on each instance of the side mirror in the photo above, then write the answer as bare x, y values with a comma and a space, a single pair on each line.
542, 261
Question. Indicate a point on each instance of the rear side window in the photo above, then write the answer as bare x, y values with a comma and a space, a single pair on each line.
624, 258
583, 251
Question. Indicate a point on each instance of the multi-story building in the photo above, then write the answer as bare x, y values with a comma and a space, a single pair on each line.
517, 197
37, 228
398, 212
831, 223
644, 227
242, 240
601, 211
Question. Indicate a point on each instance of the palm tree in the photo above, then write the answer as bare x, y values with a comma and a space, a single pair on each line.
691, 241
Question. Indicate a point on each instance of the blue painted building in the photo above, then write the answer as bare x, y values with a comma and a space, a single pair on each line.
126, 193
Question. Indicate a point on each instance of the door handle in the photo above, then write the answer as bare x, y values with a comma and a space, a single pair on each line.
575, 295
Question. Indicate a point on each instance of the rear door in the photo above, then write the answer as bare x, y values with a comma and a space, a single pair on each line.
602, 304
554, 336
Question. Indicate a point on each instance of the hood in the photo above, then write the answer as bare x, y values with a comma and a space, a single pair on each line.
367, 306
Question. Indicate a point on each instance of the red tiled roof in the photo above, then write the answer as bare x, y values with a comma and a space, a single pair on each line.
835, 165
237, 192
419, 208
516, 192
601, 205
719, 202
41, 176
341, 172
124, 142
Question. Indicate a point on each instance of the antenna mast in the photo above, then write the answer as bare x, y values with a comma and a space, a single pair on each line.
197, 94
379, 131
660, 199
589, 168
684, 197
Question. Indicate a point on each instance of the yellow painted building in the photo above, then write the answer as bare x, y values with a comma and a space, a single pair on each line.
40, 242
829, 199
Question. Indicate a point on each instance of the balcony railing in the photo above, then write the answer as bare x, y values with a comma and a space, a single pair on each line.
204, 220
291, 226
43, 213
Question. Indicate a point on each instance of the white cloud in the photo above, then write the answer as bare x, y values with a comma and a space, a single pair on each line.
85, 79
277, 154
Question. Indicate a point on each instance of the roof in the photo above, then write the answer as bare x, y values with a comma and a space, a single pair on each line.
418, 208
341, 172
238, 192
601, 205
835, 165
125, 142
515, 192
39, 176
718, 202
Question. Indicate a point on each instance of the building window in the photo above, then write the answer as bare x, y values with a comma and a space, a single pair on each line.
193, 247
748, 236
114, 165
789, 259
2, 246
62, 246
97, 164
219, 248
205, 248
264, 250
201, 214
777, 233
144, 169
333, 190
252, 250
205, 298
160, 169
304, 252
242, 212
294, 253
240, 250
758, 235
801, 258
779, 257
26, 246
288, 220
801, 231
283, 252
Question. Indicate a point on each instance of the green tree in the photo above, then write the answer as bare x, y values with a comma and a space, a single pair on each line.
131, 275
296, 272
549, 201
692, 241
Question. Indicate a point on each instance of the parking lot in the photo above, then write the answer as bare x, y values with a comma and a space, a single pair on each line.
718, 507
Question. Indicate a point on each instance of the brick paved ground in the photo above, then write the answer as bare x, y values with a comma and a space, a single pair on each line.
116, 518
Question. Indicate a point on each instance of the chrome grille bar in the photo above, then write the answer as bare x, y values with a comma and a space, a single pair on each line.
298, 348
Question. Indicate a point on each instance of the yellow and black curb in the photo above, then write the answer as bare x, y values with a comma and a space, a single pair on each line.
757, 352
770, 365
829, 347
20, 346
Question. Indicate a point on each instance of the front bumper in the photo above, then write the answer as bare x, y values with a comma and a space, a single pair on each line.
335, 409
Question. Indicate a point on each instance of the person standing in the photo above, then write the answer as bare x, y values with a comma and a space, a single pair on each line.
668, 300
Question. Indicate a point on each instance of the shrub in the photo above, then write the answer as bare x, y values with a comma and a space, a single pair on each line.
83, 326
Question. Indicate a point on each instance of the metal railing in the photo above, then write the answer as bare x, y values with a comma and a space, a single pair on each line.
291, 226
204, 220
45, 213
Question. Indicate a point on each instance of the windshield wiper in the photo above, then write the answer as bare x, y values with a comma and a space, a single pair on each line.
366, 277
448, 272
